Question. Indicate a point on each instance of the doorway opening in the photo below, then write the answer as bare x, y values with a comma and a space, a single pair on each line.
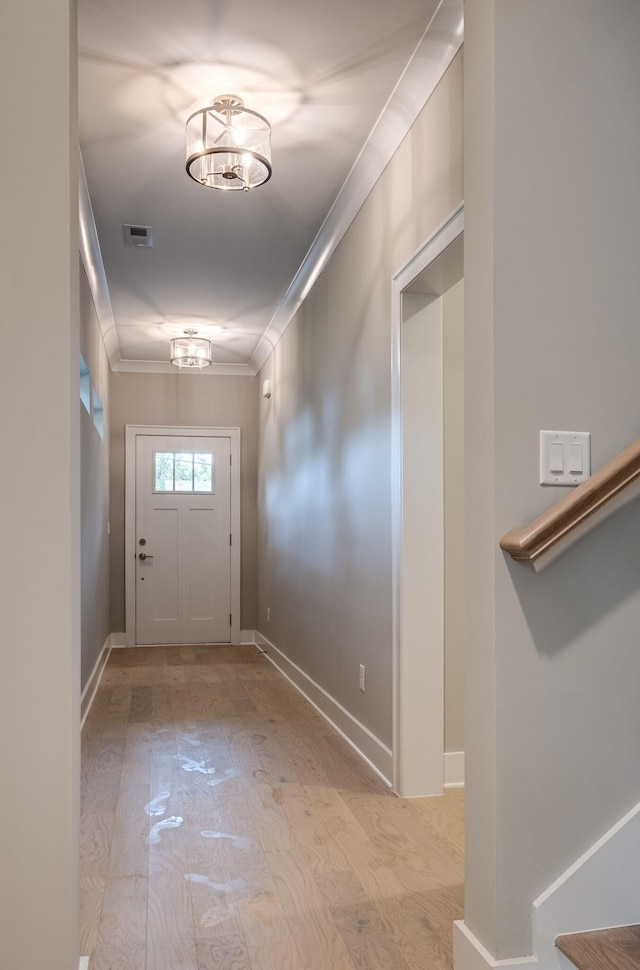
428, 515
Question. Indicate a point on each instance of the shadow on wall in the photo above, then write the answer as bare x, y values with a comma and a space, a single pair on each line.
591, 580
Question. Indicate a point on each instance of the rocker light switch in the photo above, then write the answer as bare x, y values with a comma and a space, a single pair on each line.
565, 457
575, 459
556, 457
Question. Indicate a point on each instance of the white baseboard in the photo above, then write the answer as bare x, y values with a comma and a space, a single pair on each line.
470, 954
89, 692
118, 640
360, 738
247, 636
84, 963
454, 769
599, 890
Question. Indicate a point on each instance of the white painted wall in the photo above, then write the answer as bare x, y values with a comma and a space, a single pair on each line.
552, 250
422, 619
39, 489
324, 552
455, 549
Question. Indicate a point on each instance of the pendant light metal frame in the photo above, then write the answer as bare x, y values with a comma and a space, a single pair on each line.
190, 351
233, 137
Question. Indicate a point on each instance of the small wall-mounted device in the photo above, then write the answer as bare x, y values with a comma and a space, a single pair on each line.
266, 389
565, 457
138, 236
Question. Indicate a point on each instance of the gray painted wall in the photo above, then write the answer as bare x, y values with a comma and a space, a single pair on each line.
324, 499
184, 400
552, 250
40, 488
94, 479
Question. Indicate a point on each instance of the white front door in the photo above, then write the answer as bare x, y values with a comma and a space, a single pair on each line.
182, 539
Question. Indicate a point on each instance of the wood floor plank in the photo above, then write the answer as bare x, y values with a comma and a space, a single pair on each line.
140, 707
100, 792
164, 777
244, 819
91, 896
170, 924
420, 945
120, 702
316, 935
401, 835
281, 699
122, 942
359, 923
446, 815
341, 766
415, 922
215, 911
270, 944
126, 894
171, 954
270, 824
231, 799
202, 673
244, 751
224, 824
161, 700
252, 877
328, 834
216, 753
223, 953
129, 849
283, 758
174, 676
162, 738
96, 832
167, 846
205, 847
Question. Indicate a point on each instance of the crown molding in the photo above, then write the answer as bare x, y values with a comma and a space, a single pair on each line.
165, 367
435, 51
91, 256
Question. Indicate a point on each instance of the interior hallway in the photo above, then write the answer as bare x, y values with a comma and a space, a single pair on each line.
226, 825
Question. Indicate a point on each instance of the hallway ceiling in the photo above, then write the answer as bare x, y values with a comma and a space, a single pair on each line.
223, 262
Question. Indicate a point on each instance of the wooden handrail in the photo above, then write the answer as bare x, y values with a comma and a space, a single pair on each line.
526, 545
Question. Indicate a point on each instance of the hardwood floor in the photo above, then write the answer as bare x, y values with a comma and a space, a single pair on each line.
225, 825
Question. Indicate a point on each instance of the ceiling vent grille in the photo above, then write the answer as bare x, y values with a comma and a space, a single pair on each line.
138, 236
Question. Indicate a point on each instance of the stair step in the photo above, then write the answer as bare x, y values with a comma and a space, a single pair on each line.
617, 948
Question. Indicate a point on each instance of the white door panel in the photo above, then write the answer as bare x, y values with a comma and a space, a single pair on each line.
183, 528
162, 582
202, 569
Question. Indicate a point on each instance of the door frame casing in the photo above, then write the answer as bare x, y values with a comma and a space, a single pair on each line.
132, 431
418, 727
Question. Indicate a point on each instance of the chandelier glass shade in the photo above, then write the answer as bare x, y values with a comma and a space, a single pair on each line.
190, 351
228, 146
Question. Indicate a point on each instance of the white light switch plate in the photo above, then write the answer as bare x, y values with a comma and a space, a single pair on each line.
565, 457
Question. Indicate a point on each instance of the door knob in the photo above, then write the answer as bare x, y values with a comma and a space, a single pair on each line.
144, 555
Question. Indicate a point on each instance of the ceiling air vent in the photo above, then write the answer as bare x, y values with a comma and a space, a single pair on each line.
138, 236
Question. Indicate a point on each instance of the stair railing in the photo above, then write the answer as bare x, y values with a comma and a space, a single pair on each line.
574, 513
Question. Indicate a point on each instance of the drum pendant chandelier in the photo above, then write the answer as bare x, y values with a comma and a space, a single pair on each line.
190, 350
228, 146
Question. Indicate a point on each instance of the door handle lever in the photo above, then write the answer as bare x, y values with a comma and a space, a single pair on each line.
144, 555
